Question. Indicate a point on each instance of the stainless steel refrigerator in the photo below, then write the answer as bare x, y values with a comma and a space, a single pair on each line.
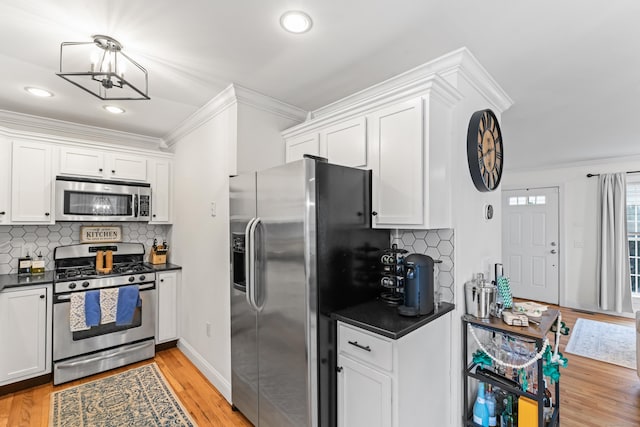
302, 247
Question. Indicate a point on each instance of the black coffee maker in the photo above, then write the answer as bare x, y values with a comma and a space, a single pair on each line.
418, 286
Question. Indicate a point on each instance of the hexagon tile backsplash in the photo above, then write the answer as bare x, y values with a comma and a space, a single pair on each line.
438, 244
14, 239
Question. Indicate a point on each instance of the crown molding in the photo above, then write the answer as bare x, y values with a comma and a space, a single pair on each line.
431, 85
24, 124
463, 63
459, 61
587, 163
230, 96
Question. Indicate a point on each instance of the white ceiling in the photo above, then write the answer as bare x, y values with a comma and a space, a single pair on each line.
572, 67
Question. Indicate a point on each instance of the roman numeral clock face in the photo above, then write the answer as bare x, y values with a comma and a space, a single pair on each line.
484, 150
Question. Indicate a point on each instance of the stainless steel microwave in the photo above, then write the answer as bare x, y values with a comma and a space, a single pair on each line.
80, 199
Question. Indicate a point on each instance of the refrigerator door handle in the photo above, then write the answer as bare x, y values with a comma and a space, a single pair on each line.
251, 291
248, 263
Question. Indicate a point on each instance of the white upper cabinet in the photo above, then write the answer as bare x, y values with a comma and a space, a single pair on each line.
346, 143
161, 190
97, 163
126, 167
5, 181
83, 162
397, 165
31, 181
296, 147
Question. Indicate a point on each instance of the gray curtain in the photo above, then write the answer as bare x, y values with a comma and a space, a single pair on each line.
613, 276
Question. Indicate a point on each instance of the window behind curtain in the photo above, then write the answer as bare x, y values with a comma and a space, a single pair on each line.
633, 232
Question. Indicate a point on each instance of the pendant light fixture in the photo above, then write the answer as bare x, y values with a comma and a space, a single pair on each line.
101, 68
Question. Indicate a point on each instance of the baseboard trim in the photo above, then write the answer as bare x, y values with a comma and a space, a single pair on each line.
214, 377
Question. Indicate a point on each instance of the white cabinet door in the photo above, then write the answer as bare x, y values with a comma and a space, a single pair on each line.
5, 181
126, 167
396, 135
161, 194
297, 147
167, 290
83, 162
346, 143
24, 331
364, 395
31, 181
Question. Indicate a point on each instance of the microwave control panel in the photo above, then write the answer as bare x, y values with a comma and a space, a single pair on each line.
144, 206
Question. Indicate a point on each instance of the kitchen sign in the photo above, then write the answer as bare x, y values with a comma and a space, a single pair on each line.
100, 234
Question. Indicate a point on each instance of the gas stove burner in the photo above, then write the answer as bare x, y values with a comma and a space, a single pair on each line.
73, 273
128, 268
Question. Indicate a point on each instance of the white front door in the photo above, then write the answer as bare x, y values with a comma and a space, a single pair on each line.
530, 249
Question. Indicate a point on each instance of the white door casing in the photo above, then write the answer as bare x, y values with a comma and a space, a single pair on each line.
530, 242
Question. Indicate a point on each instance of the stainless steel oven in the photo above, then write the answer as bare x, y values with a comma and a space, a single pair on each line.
105, 346
80, 199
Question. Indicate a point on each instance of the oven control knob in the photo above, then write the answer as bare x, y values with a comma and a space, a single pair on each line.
72, 285
131, 279
85, 284
142, 278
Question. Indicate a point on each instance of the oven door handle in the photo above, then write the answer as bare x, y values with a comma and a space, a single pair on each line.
141, 288
108, 356
135, 205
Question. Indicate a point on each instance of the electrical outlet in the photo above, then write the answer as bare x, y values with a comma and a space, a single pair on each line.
213, 209
208, 329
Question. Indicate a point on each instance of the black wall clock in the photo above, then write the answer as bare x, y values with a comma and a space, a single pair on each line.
484, 150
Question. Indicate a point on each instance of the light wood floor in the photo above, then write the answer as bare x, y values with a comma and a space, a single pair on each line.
205, 404
592, 393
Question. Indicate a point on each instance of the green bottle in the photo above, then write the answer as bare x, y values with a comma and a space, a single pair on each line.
507, 419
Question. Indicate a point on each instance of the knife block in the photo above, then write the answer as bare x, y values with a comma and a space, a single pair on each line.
158, 255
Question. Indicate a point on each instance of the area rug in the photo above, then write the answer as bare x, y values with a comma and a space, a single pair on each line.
137, 397
602, 341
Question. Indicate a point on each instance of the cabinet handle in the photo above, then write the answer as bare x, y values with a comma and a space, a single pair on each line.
2, 213
100, 170
113, 171
338, 368
154, 215
363, 347
161, 280
374, 213
41, 296
46, 214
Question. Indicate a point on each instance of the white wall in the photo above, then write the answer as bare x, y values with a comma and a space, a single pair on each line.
478, 242
578, 222
201, 245
237, 137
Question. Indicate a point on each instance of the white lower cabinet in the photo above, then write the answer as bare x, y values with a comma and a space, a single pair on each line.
394, 383
167, 290
25, 333
364, 395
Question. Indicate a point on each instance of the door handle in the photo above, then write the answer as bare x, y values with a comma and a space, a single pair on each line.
553, 251
254, 283
248, 263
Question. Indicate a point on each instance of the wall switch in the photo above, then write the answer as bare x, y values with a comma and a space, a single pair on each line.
208, 329
213, 209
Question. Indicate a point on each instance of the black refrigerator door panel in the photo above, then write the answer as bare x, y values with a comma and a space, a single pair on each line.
347, 263
244, 338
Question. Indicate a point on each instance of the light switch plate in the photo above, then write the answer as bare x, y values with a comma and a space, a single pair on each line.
213, 209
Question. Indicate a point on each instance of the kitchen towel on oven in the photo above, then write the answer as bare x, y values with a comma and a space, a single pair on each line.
108, 305
77, 313
128, 300
92, 308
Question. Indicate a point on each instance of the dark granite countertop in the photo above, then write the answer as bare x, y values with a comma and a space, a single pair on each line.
379, 317
14, 280
163, 267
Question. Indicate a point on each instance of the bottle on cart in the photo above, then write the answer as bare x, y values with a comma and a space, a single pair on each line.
480, 409
490, 398
507, 419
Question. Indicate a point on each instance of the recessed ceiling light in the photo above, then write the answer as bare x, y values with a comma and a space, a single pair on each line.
114, 109
36, 91
296, 22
